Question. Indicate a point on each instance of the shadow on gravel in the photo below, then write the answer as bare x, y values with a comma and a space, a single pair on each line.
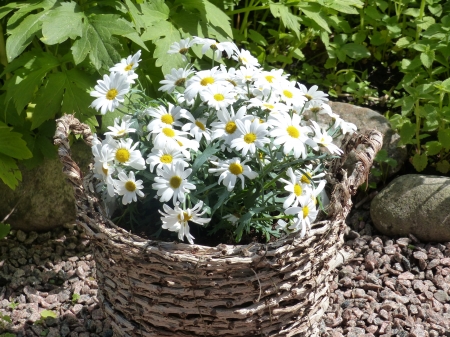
48, 286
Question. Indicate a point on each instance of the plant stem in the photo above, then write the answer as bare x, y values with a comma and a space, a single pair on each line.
416, 112
246, 10
245, 21
421, 12
3, 57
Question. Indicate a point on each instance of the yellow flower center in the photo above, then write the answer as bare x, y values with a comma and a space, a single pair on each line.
315, 109
166, 159
230, 128
129, 67
213, 46
183, 51
305, 211
130, 186
269, 106
122, 155
309, 97
243, 60
175, 181
180, 81
206, 81
249, 138
288, 94
236, 169
219, 97
121, 132
269, 78
168, 132
306, 178
293, 131
111, 94
167, 119
105, 171
297, 190
200, 125
186, 217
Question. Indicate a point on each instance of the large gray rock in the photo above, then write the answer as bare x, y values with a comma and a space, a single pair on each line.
366, 119
414, 204
44, 198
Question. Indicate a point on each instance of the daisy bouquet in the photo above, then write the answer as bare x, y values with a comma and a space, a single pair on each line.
234, 148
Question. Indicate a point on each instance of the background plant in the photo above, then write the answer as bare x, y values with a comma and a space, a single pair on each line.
52, 50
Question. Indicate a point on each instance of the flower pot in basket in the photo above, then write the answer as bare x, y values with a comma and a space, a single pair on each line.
157, 288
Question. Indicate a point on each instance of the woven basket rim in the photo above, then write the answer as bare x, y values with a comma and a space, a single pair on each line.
365, 147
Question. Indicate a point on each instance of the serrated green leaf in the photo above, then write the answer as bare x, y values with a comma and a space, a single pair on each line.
313, 12
420, 162
355, 51
341, 6
427, 58
9, 171
62, 23
164, 60
218, 18
97, 39
446, 85
257, 37
403, 42
48, 100
136, 15
433, 147
443, 166
23, 34
5, 10
407, 131
76, 100
444, 138
289, 20
426, 22
154, 11
48, 313
4, 231
12, 144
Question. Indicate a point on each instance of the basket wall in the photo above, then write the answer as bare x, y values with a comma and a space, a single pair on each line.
154, 288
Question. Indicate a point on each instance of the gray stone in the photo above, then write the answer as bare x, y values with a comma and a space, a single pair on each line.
414, 204
366, 119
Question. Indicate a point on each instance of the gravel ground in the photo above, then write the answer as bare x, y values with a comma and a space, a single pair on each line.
393, 287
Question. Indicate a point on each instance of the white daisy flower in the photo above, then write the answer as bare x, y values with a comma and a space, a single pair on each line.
306, 214
217, 47
253, 136
246, 75
125, 153
271, 78
129, 187
245, 58
316, 106
164, 117
307, 175
230, 170
291, 95
197, 128
202, 79
272, 106
103, 167
226, 127
181, 48
169, 155
168, 136
291, 134
312, 93
122, 129
322, 138
172, 183
127, 66
176, 78
110, 92
295, 187
176, 220
218, 96
345, 127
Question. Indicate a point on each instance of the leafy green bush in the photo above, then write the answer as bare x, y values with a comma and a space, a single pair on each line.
55, 49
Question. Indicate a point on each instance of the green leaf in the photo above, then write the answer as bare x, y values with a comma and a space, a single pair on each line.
341, 6
62, 23
372, 12
427, 58
222, 197
48, 313
48, 100
4, 230
443, 166
136, 15
9, 171
426, 22
355, 51
313, 11
444, 138
433, 147
97, 39
420, 161
257, 37
164, 60
22, 35
217, 17
4, 10
154, 11
289, 20
403, 42
12, 144
381, 156
77, 100
206, 154
407, 131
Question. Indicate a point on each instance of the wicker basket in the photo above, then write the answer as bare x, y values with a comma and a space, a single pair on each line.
154, 288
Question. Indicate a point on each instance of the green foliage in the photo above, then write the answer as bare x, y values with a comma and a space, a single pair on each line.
54, 50
75, 298
13, 305
4, 230
385, 163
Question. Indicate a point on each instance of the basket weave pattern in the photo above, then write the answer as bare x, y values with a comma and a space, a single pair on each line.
154, 288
